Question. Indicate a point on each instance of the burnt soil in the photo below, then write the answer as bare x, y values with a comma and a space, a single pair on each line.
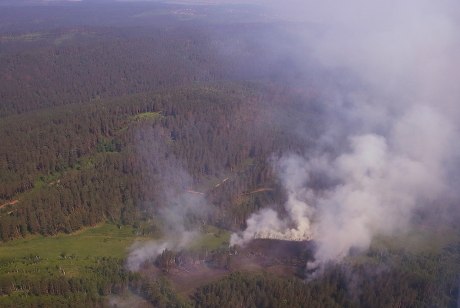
283, 258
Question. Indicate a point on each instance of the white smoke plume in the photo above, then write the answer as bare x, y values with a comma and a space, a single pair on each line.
180, 204
267, 223
142, 252
393, 133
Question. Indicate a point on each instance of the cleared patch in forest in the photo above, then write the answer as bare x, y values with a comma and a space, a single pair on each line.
33, 36
215, 239
63, 38
69, 254
423, 239
146, 116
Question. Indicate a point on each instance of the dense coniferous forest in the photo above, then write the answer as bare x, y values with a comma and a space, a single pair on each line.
109, 160
102, 114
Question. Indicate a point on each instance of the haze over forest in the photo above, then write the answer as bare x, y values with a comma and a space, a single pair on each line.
229, 153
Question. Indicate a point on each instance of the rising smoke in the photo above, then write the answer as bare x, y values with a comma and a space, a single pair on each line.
392, 135
172, 218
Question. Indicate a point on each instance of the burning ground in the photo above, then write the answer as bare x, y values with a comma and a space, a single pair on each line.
189, 270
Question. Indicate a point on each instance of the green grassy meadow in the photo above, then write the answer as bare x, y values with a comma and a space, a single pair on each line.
214, 240
67, 254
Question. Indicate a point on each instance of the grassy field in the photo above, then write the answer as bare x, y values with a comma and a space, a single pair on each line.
214, 240
153, 116
33, 36
68, 253
63, 38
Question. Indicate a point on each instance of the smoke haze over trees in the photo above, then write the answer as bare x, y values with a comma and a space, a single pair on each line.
391, 136
321, 121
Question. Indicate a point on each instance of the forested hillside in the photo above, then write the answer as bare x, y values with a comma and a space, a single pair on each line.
124, 62
89, 162
106, 153
101, 123
106, 113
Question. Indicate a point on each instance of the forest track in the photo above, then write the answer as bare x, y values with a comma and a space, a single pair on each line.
8, 203
259, 190
194, 192
217, 185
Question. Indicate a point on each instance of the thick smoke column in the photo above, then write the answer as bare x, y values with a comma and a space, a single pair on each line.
392, 136
267, 224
